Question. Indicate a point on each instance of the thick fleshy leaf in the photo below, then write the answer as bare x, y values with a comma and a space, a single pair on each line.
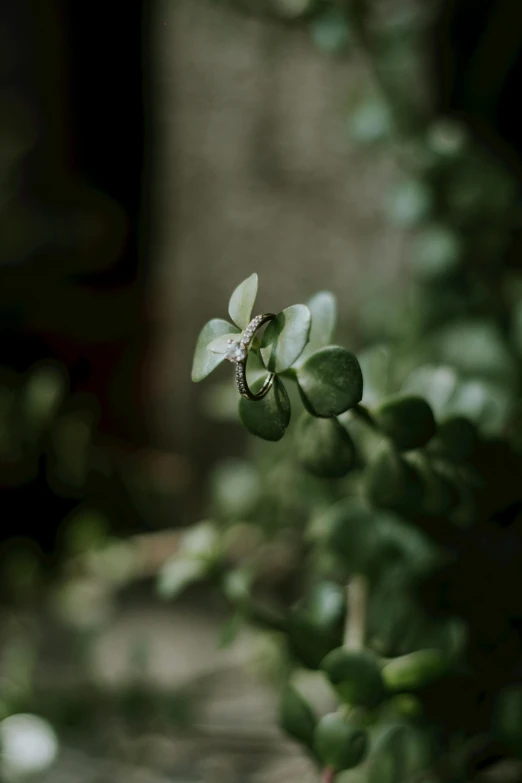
205, 361
407, 420
391, 482
415, 670
355, 675
339, 743
438, 493
326, 604
242, 301
456, 438
330, 381
285, 338
269, 417
323, 309
324, 447
310, 641
220, 344
296, 717
400, 753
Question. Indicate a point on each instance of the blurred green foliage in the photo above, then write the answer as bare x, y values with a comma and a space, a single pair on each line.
412, 451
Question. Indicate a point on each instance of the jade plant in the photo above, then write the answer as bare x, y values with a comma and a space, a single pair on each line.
380, 544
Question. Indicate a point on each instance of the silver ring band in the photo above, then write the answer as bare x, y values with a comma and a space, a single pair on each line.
238, 353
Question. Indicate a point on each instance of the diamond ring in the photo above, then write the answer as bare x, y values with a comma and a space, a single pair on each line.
237, 353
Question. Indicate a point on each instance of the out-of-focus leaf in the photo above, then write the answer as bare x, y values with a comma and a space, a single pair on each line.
407, 420
285, 338
196, 556
205, 361
370, 122
323, 446
413, 671
475, 348
242, 301
236, 488
399, 753
355, 675
177, 574
331, 32
326, 604
435, 252
323, 309
437, 384
296, 717
339, 743
330, 381
456, 438
269, 417
391, 482
409, 202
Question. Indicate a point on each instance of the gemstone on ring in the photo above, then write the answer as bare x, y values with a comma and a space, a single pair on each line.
236, 351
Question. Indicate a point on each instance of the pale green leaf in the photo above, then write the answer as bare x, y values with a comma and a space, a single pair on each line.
285, 338
220, 344
323, 309
205, 361
242, 301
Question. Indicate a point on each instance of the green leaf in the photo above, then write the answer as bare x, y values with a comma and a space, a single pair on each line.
438, 494
415, 670
205, 361
409, 202
231, 628
407, 420
285, 338
436, 252
197, 554
391, 482
330, 381
456, 438
338, 743
400, 753
331, 32
370, 122
355, 675
507, 718
310, 640
178, 573
296, 717
323, 309
269, 417
242, 301
326, 604
356, 533
235, 488
323, 447
220, 344
200, 541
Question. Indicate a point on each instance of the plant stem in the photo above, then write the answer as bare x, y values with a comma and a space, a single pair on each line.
362, 413
328, 775
357, 600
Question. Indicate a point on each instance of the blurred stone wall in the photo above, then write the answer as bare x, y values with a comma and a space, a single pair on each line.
253, 172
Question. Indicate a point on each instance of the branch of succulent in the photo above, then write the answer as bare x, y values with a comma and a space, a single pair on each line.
395, 511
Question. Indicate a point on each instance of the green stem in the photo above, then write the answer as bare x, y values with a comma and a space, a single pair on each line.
328, 775
362, 413
357, 601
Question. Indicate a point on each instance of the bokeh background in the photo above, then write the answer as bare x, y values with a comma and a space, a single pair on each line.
152, 156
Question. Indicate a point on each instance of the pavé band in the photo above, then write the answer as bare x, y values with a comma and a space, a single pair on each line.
237, 353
